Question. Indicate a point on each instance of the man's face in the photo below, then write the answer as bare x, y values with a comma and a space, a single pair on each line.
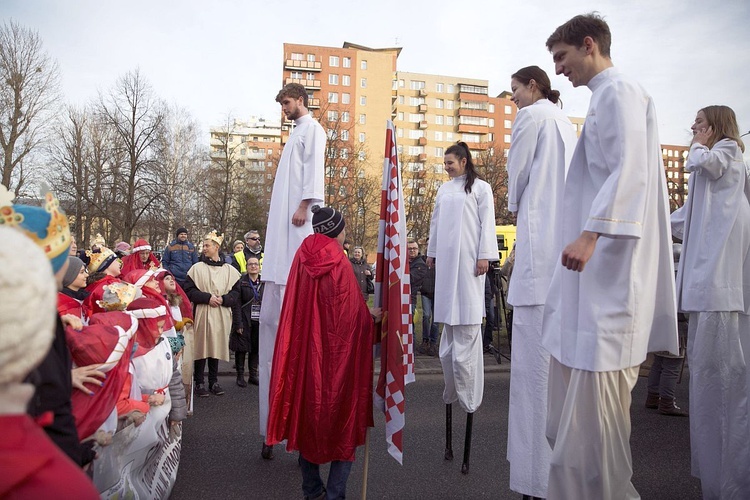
253, 241
413, 250
143, 254
182, 237
575, 63
291, 107
253, 266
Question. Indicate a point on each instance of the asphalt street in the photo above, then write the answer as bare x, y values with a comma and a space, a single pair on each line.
221, 448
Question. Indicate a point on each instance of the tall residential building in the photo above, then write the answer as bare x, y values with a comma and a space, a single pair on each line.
677, 179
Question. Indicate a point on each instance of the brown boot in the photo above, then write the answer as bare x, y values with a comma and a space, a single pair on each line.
652, 401
668, 406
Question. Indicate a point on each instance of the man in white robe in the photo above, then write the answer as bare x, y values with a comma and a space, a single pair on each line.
541, 148
613, 298
298, 185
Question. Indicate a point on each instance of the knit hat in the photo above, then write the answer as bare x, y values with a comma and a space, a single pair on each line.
74, 267
46, 226
27, 308
99, 261
122, 247
179, 231
327, 221
141, 244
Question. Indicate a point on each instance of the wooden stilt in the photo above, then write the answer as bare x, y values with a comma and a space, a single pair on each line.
367, 464
467, 443
449, 432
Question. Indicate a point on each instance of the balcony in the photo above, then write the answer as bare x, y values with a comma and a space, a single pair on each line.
423, 125
473, 129
422, 141
483, 113
256, 155
307, 65
422, 157
423, 108
468, 96
308, 84
313, 103
422, 92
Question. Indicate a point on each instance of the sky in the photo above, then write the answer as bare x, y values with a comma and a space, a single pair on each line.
224, 58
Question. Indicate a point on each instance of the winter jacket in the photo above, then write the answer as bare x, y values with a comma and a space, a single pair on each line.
178, 258
359, 267
178, 412
242, 315
417, 271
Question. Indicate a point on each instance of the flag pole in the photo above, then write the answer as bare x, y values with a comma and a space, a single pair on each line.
367, 464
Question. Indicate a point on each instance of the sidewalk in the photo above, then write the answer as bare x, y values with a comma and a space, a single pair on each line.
423, 365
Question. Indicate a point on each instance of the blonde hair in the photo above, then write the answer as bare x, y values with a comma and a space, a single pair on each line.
724, 124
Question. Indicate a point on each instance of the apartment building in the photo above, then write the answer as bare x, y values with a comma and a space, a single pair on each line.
674, 168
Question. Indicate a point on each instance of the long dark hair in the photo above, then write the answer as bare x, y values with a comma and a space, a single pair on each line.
461, 151
525, 75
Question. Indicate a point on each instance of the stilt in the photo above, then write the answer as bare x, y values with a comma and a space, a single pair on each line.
267, 452
449, 432
467, 443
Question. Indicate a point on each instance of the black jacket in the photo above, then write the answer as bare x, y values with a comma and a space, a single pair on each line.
417, 271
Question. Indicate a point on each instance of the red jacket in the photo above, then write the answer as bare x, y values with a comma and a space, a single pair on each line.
321, 380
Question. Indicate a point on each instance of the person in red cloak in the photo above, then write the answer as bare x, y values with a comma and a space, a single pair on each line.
321, 379
104, 269
141, 257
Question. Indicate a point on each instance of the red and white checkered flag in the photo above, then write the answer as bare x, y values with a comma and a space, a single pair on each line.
392, 293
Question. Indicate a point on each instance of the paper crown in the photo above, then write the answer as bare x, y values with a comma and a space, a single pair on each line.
99, 241
215, 237
47, 227
99, 261
117, 296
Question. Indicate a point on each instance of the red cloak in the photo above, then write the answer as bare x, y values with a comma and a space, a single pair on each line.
321, 382
133, 261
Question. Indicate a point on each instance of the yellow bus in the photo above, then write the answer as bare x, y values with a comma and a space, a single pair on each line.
506, 237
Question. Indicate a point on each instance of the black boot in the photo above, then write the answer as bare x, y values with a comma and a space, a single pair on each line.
241, 379
253, 378
239, 365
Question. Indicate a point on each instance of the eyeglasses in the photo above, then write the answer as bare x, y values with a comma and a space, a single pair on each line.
253, 265
254, 239
413, 249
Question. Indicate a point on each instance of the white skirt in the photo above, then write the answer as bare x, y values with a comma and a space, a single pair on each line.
462, 358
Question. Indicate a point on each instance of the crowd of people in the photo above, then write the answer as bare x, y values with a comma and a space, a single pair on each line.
112, 374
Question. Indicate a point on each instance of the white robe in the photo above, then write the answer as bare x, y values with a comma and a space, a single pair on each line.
300, 176
622, 305
462, 231
541, 148
713, 282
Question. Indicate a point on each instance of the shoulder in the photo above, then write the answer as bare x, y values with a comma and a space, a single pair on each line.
727, 145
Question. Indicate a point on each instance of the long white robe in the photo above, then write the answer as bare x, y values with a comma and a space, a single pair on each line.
541, 148
300, 176
462, 231
622, 305
713, 282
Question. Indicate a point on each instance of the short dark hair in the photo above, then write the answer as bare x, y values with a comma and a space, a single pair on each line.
574, 31
293, 90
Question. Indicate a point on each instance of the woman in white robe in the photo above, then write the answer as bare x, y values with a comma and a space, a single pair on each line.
541, 147
713, 285
462, 242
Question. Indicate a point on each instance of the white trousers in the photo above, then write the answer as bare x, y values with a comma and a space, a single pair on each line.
528, 449
719, 354
462, 359
588, 427
270, 310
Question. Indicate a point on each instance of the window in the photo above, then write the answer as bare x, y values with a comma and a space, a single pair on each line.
347, 62
416, 134
363, 83
439, 119
363, 64
449, 120
344, 133
507, 124
333, 61
416, 150
311, 76
363, 100
451, 88
401, 99
344, 153
400, 116
472, 120
490, 138
361, 156
471, 138
401, 83
362, 119
416, 85
333, 116
400, 132
297, 75
439, 152
448, 104
508, 110
345, 98
333, 79
506, 138
331, 134
345, 80
331, 152
296, 56
492, 122
416, 117
311, 57
472, 89
474, 105
333, 97
394, 85
449, 136
361, 137
270, 152
439, 103
345, 116
439, 87
416, 101
438, 136
492, 108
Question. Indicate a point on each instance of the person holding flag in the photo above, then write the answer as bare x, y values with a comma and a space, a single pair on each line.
462, 243
320, 398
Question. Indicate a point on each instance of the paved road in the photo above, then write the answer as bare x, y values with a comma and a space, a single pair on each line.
221, 449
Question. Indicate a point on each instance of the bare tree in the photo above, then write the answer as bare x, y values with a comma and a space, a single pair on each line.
29, 83
421, 184
136, 117
491, 165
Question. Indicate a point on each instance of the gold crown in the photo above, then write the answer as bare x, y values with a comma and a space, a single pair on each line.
99, 241
96, 259
47, 227
117, 296
215, 237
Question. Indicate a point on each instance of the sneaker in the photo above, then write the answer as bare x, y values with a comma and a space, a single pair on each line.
200, 391
241, 380
424, 349
216, 389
